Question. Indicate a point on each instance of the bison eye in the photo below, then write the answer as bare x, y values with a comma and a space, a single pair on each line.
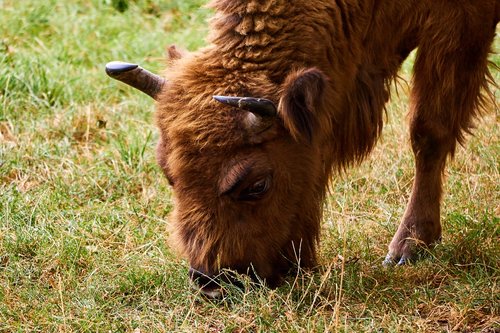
170, 181
257, 190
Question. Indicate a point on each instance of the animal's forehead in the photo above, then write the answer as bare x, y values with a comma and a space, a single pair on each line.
210, 129
198, 121
192, 122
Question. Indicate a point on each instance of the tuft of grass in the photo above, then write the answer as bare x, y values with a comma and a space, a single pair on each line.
83, 205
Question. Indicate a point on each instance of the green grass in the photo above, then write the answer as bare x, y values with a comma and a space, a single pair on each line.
83, 205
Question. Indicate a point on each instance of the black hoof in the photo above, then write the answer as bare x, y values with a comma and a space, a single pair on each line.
391, 260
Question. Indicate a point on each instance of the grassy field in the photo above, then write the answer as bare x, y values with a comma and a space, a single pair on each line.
83, 206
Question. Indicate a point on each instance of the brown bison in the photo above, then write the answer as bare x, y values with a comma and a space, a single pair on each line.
289, 92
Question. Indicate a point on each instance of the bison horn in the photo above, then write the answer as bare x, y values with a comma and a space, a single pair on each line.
136, 76
259, 106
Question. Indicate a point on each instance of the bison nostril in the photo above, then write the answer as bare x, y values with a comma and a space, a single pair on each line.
206, 284
210, 285
202, 279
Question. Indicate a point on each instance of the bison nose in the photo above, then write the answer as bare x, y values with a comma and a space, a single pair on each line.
205, 283
212, 286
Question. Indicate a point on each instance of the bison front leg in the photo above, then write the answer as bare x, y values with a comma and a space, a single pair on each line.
420, 226
450, 71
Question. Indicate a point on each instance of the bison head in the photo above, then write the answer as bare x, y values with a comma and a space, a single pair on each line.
244, 155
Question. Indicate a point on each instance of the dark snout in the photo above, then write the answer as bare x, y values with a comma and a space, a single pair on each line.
207, 284
211, 285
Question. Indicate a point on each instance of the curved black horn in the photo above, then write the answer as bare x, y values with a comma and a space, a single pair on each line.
136, 76
258, 106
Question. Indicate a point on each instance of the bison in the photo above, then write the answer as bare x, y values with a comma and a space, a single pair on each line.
286, 94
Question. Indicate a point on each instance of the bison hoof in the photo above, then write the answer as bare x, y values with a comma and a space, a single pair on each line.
392, 260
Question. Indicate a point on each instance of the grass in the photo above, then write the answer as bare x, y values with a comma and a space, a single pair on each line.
83, 205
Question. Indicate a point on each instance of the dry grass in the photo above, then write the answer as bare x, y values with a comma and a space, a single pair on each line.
83, 204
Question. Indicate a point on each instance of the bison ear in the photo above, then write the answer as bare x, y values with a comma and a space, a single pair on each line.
302, 96
174, 53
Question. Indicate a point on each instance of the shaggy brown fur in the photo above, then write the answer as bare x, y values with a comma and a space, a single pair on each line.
327, 66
